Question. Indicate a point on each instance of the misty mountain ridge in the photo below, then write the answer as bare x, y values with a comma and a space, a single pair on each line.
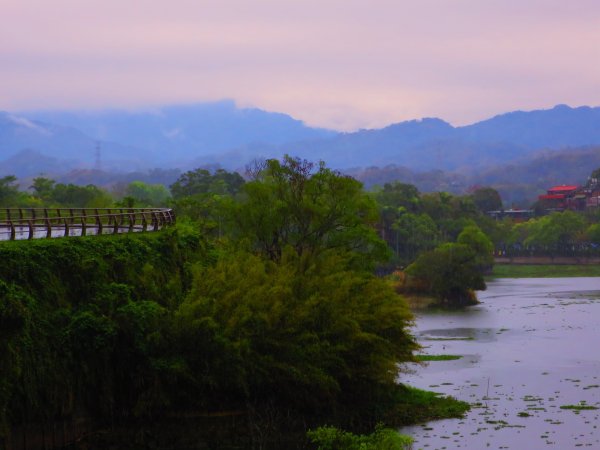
180, 133
430, 143
220, 134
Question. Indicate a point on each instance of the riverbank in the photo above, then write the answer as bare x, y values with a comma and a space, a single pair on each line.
548, 260
544, 271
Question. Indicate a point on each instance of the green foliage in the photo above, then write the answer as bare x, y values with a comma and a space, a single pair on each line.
545, 271
71, 195
202, 181
449, 273
556, 229
556, 233
416, 405
474, 238
309, 208
261, 299
147, 195
9, 190
399, 195
336, 332
487, 199
43, 188
331, 438
414, 234
84, 323
437, 357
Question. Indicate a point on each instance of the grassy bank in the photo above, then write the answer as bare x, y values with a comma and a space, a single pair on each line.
544, 271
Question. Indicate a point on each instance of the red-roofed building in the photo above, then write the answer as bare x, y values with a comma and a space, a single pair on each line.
559, 198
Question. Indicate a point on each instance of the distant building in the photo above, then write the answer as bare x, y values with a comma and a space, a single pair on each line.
571, 197
557, 198
516, 215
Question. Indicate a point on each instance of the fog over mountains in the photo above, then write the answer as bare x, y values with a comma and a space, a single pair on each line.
219, 133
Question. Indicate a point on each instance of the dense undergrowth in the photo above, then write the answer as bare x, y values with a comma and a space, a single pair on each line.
131, 330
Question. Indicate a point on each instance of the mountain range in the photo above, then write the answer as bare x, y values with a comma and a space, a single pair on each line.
221, 134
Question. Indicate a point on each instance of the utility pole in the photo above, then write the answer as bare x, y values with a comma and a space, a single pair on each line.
98, 163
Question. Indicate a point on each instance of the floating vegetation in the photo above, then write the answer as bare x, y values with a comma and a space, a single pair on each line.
437, 357
523, 414
468, 338
582, 406
531, 398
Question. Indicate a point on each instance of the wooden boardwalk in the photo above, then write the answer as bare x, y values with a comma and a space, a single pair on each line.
36, 223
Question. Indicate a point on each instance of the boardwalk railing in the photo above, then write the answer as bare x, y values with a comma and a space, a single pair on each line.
33, 223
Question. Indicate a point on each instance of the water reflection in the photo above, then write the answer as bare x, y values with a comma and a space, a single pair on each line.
528, 349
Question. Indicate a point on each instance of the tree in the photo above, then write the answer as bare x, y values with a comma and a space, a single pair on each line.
43, 188
9, 190
313, 334
476, 239
487, 199
147, 194
398, 195
449, 273
202, 181
557, 231
309, 207
414, 233
73, 196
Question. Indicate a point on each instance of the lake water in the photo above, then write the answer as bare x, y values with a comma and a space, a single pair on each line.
530, 347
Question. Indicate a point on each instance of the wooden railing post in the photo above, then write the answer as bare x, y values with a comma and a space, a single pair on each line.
48, 228
12, 230
83, 222
116, 224
98, 222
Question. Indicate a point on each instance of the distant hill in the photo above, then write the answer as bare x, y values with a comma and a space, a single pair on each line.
220, 134
179, 134
28, 147
430, 144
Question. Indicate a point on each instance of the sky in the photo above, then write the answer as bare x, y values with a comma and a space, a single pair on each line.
339, 64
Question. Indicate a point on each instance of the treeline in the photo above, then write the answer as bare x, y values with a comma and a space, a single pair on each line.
566, 233
46, 192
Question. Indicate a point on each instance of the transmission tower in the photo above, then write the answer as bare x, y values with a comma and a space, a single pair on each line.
98, 154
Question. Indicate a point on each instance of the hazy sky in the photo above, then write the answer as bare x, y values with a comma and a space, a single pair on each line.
341, 64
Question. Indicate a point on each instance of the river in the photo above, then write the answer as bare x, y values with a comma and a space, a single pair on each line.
530, 347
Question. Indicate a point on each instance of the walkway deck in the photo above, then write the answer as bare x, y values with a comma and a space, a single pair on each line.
35, 223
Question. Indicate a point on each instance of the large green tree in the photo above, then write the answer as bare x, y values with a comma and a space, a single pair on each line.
311, 332
309, 207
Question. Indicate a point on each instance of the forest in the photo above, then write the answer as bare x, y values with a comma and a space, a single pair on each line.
277, 303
